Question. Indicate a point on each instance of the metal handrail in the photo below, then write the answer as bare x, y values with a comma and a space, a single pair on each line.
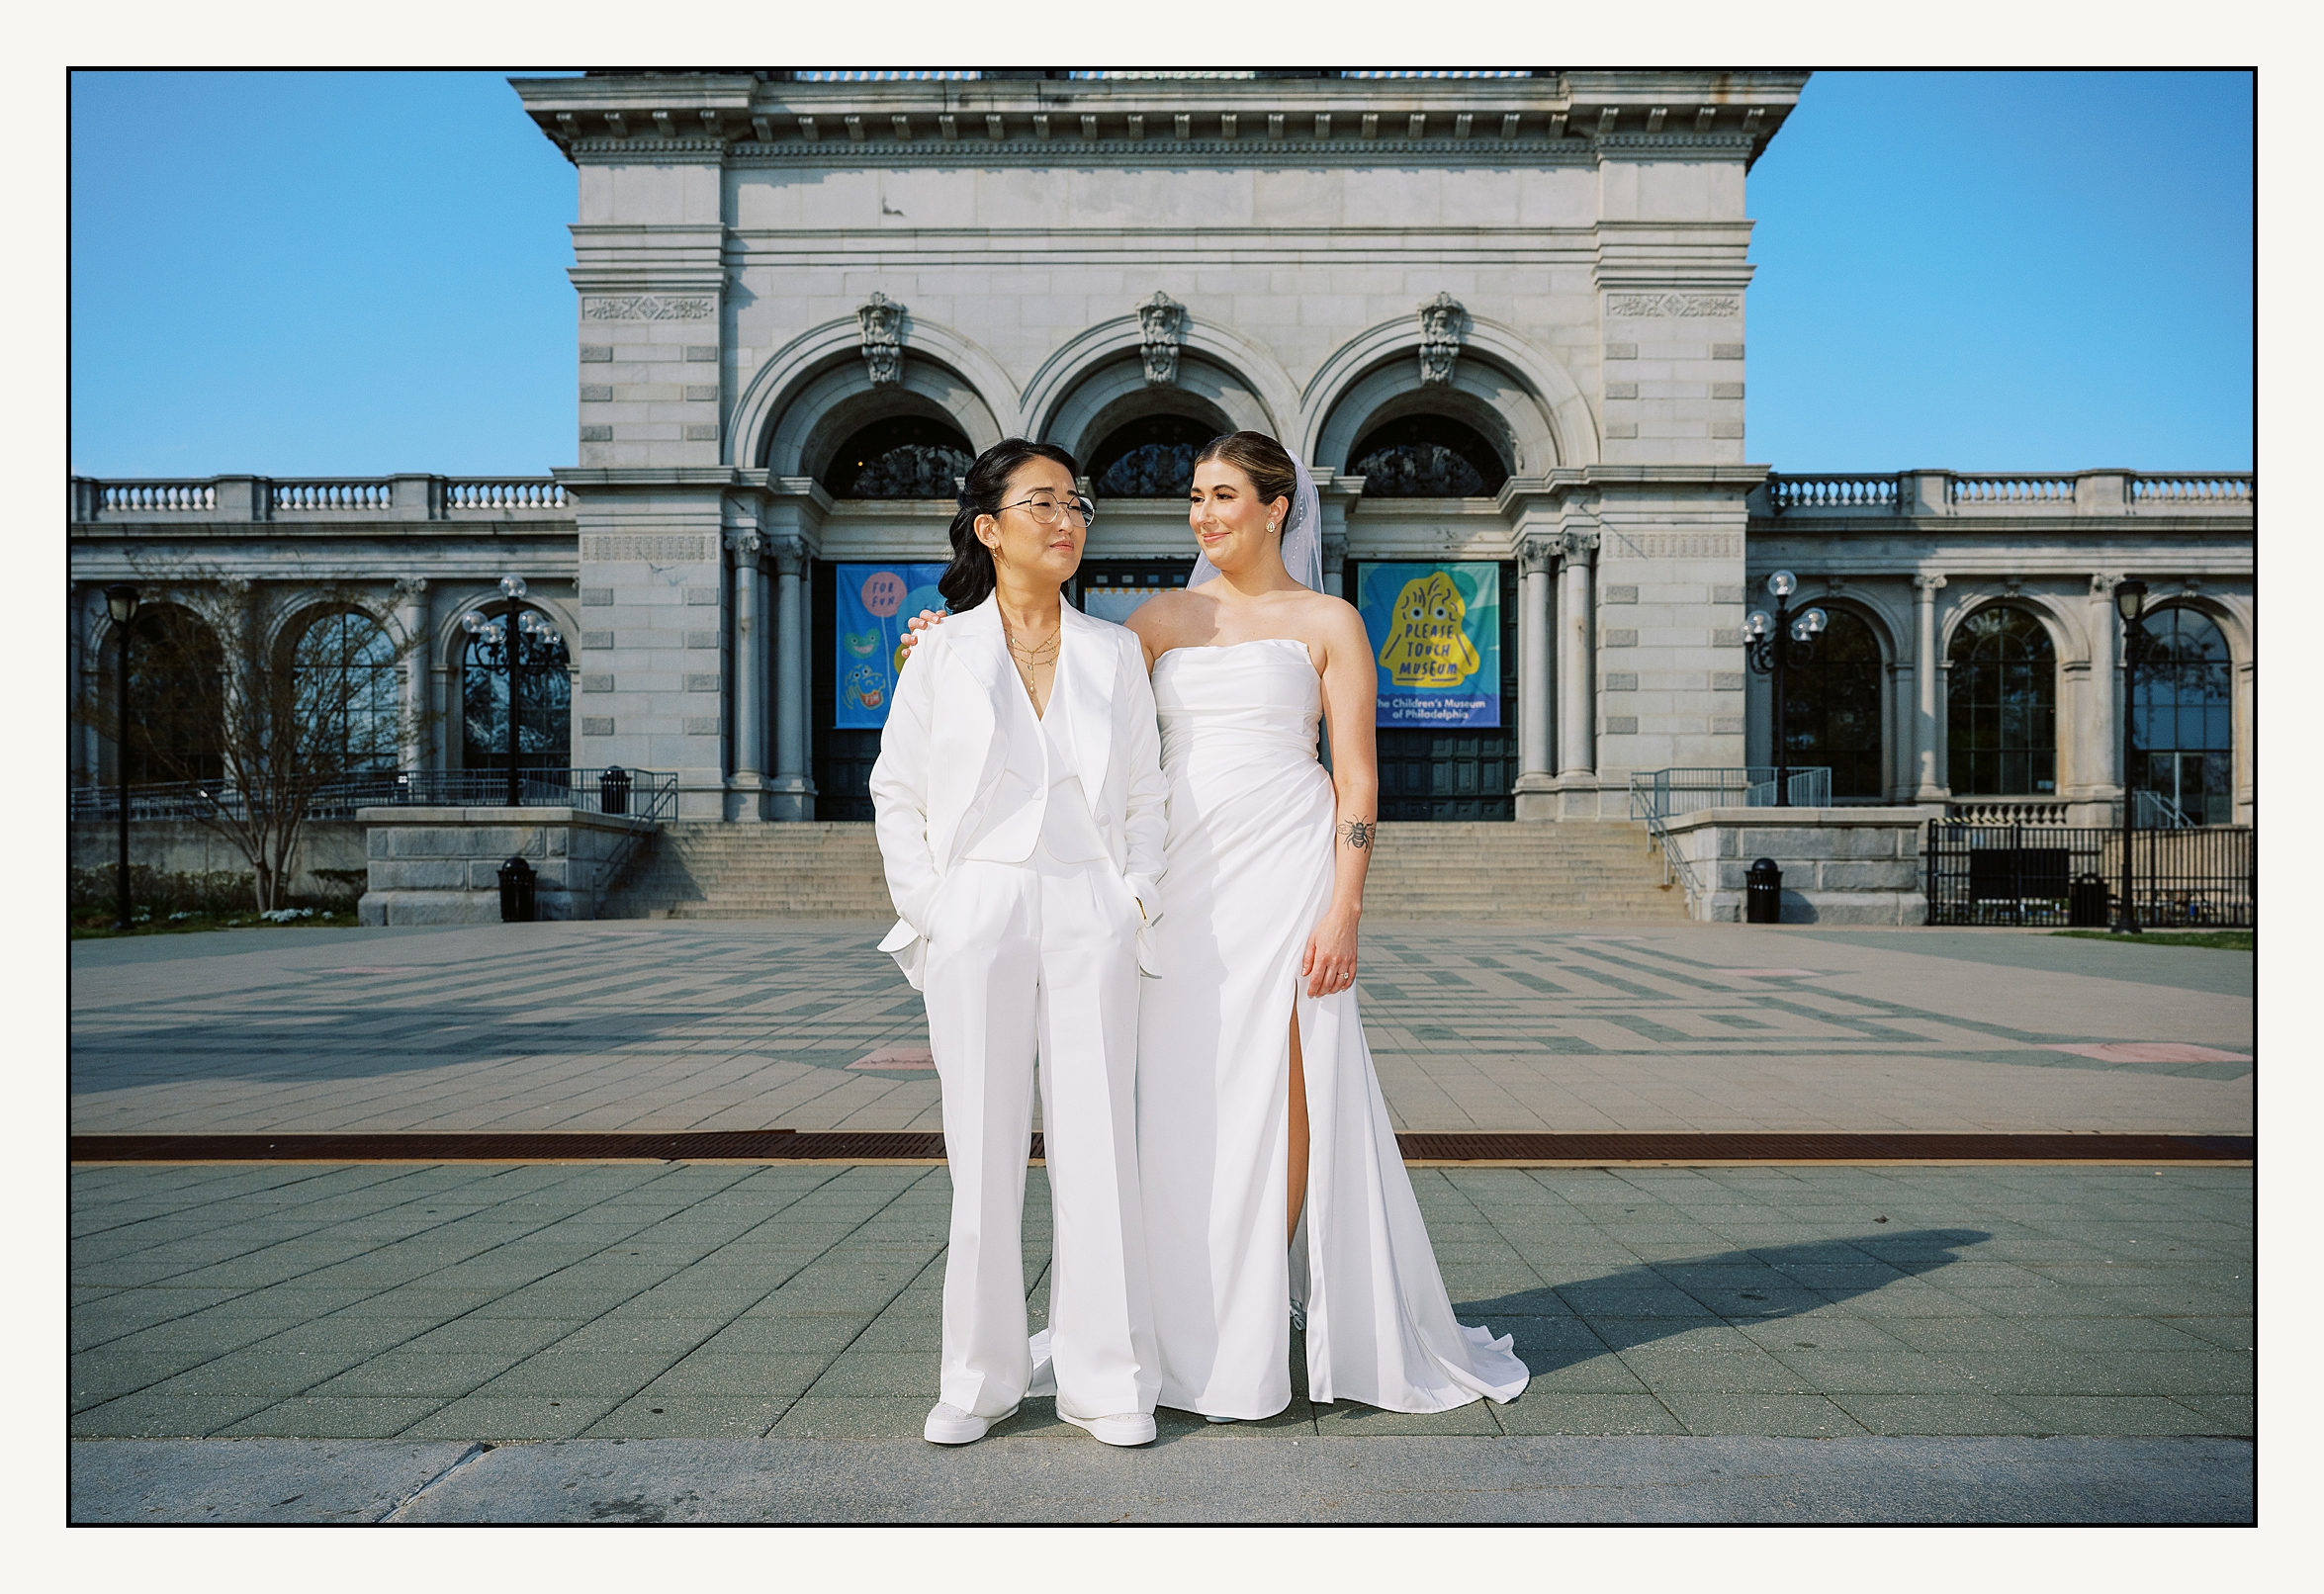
1674, 862
1685, 790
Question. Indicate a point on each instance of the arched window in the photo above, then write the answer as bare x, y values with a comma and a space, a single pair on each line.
1427, 457
544, 702
2182, 726
2002, 709
176, 700
902, 457
344, 692
1150, 458
1832, 707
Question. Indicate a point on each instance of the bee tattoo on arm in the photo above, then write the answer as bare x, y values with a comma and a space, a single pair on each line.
1357, 832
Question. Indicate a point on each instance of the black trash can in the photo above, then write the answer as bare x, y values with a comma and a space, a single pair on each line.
516, 892
2087, 903
1763, 894
613, 792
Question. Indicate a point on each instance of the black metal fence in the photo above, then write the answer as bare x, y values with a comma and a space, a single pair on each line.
639, 793
2204, 877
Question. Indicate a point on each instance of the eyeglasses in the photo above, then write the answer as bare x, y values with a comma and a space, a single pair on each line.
1047, 512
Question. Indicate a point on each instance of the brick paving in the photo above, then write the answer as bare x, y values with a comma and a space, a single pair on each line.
547, 1303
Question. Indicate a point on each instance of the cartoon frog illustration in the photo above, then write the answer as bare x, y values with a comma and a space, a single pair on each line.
1428, 645
863, 644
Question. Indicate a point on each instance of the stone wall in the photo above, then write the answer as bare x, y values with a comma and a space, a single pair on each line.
1840, 865
184, 847
441, 865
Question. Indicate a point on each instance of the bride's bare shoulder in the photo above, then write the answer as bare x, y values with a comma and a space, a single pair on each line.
1167, 615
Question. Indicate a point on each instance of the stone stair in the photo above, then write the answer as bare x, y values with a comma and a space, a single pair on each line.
1575, 870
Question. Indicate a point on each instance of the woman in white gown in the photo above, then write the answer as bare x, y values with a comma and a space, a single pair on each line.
1270, 1180
1271, 1175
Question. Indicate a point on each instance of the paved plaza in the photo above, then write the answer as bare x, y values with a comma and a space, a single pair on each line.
741, 1341
764, 1024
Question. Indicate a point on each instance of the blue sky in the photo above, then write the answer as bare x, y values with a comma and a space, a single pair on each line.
313, 274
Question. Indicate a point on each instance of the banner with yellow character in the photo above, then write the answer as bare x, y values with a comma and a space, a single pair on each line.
1436, 633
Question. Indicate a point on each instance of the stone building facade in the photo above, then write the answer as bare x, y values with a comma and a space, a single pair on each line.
1502, 317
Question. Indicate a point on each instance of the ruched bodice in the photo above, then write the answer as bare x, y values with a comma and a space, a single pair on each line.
1248, 873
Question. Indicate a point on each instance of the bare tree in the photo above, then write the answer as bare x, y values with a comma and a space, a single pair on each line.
254, 699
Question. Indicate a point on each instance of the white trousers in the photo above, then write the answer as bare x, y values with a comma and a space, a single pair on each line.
1040, 960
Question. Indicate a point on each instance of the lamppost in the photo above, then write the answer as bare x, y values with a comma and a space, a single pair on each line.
529, 628
1769, 654
120, 602
2130, 603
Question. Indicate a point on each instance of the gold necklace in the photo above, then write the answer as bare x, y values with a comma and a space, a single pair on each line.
1028, 660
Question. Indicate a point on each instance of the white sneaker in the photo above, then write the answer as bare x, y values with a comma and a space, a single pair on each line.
950, 1424
1122, 1428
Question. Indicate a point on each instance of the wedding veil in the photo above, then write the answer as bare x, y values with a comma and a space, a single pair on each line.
1302, 538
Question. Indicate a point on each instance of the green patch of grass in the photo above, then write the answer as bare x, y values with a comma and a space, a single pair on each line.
2223, 940
97, 924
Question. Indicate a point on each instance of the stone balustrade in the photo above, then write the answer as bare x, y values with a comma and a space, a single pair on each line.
257, 499
1923, 494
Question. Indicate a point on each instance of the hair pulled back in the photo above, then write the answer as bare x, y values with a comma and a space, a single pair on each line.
1259, 457
969, 580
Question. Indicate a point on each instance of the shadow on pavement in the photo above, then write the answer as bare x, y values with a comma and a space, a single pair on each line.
1657, 1299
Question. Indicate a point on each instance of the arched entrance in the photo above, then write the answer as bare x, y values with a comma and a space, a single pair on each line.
2182, 725
2002, 706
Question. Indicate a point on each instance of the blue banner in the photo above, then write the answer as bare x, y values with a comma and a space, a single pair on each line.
1436, 633
874, 603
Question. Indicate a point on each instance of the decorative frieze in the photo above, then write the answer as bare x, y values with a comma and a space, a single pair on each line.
647, 308
1161, 330
1674, 545
635, 550
1649, 307
1443, 324
882, 321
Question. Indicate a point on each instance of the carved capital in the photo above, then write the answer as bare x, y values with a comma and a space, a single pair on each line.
411, 589
1577, 547
744, 542
2102, 587
882, 321
1928, 586
1534, 554
1443, 325
789, 555
1161, 330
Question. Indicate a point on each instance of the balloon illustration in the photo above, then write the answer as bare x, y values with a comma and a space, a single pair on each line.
1429, 646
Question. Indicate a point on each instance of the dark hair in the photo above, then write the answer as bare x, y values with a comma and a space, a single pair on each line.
969, 580
1259, 457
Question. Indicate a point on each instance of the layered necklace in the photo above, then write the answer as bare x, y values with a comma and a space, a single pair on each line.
1028, 660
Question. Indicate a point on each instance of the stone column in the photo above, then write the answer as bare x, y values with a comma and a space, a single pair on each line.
1335, 563
2098, 727
743, 544
83, 742
1903, 772
794, 791
1576, 678
418, 641
1928, 786
1536, 782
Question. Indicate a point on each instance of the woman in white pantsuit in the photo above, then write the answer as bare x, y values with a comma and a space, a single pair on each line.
1018, 796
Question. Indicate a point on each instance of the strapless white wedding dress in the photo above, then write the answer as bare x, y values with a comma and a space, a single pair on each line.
1249, 872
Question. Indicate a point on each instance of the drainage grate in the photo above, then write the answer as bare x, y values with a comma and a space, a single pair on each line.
788, 1145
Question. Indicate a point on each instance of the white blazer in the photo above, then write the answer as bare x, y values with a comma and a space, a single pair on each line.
943, 750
